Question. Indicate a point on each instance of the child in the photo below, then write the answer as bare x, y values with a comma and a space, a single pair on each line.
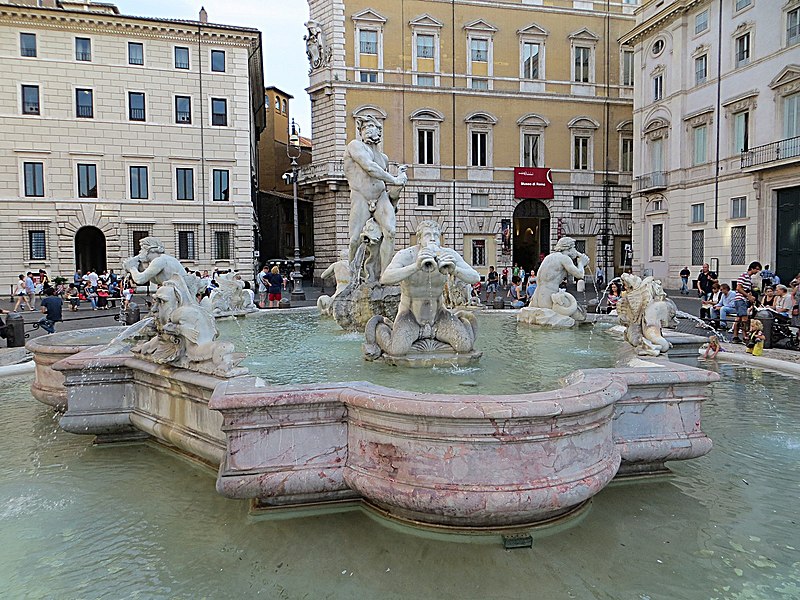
755, 338
712, 347
73, 295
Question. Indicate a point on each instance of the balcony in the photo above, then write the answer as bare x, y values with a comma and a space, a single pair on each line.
772, 155
321, 171
650, 182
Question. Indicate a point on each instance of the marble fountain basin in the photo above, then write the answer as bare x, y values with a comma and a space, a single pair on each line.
453, 460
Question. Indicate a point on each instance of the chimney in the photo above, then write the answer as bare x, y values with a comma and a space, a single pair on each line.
203, 15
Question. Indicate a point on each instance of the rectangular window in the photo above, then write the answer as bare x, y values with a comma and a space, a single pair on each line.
27, 44
183, 110
530, 149
425, 198
425, 146
184, 180
479, 50
580, 246
739, 207
83, 49
580, 203
30, 99
368, 76
740, 4
700, 144
658, 87
743, 50
698, 213
626, 159
658, 240
701, 22
791, 116
222, 245
181, 57
657, 155
479, 201
138, 183
582, 55
739, 245
700, 69
87, 181
627, 67
530, 60
792, 27
479, 84
478, 253
187, 249
368, 41
135, 53
426, 80
136, 106
219, 112
478, 150
581, 153
218, 61
698, 247
221, 185
84, 104
37, 244
626, 204
741, 132
425, 47
34, 179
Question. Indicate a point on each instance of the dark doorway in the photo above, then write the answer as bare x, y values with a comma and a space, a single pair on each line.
531, 233
90, 250
787, 247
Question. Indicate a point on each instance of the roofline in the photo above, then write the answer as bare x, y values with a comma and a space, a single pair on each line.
277, 89
658, 20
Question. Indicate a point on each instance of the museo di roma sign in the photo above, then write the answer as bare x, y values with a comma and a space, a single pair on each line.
532, 182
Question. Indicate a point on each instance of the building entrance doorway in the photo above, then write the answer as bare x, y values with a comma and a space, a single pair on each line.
787, 246
90, 249
531, 233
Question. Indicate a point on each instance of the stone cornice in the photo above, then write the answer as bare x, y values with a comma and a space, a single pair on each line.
658, 20
124, 25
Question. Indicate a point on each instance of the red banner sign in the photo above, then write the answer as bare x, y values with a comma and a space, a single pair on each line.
532, 182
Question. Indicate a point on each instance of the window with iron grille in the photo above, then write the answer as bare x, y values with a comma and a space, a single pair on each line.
138, 183
35, 234
186, 243
84, 103
181, 57
425, 199
83, 49
479, 253
221, 185
738, 207
184, 182
87, 181
658, 240
136, 106
137, 234
580, 246
698, 246
30, 99
27, 44
219, 112
738, 245
34, 179
218, 61
222, 243
135, 53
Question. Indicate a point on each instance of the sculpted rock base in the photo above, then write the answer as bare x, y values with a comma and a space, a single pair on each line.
545, 317
357, 304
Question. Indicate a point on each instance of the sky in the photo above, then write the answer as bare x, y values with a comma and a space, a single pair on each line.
282, 30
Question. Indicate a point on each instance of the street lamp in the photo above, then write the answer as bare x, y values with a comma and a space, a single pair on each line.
293, 152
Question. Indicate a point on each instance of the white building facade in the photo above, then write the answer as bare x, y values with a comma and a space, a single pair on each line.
716, 136
118, 127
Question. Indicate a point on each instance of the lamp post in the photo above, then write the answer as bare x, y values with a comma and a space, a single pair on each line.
293, 152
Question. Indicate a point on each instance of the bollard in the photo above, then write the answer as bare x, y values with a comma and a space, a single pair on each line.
15, 330
768, 320
592, 306
498, 304
284, 303
132, 313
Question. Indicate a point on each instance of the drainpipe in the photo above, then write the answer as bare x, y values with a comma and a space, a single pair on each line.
719, 117
202, 139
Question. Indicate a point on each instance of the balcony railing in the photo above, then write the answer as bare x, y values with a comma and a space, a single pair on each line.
84, 56
182, 116
657, 180
767, 154
137, 114
30, 108
29, 52
320, 171
86, 112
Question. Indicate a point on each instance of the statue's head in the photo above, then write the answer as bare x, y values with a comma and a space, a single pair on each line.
428, 232
370, 129
564, 244
151, 246
344, 254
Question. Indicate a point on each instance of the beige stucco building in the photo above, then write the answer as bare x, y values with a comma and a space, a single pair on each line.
116, 127
717, 136
467, 91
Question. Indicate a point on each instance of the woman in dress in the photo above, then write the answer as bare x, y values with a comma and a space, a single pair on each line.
613, 296
21, 293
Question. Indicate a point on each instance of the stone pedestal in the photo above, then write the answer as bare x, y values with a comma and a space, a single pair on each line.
357, 304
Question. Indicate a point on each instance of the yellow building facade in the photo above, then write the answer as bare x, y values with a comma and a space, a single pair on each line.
466, 92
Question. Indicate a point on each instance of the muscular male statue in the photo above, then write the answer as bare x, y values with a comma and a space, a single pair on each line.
365, 168
564, 260
153, 265
422, 272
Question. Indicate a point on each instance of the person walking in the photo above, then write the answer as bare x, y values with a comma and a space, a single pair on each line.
21, 294
685, 274
30, 288
51, 306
